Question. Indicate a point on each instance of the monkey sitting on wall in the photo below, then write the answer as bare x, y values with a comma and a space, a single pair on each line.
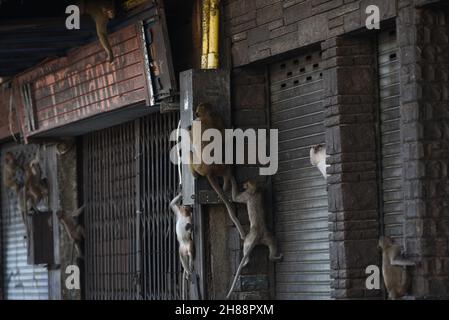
101, 12
394, 269
318, 158
184, 228
74, 230
211, 120
258, 232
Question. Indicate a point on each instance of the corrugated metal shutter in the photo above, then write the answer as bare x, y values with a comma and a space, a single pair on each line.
129, 181
301, 206
390, 137
21, 281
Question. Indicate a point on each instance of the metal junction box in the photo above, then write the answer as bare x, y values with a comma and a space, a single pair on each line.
40, 242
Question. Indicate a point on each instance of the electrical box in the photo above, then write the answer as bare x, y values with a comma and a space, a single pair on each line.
202, 86
40, 238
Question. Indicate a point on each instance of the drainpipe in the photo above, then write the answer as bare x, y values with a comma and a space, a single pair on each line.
211, 31
214, 30
205, 31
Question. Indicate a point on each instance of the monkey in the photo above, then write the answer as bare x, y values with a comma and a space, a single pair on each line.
184, 228
258, 232
394, 269
36, 188
318, 158
64, 147
101, 11
212, 120
13, 175
74, 230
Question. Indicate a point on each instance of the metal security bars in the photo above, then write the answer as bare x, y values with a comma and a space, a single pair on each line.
110, 214
131, 249
161, 270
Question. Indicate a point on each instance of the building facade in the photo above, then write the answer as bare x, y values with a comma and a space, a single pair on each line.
314, 70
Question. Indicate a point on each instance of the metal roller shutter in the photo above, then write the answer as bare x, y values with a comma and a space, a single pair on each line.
301, 206
21, 281
129, 181
390, 137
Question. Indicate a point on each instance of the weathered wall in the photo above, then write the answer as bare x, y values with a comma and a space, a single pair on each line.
424, 48
5, 114
350, 102
68, 197
264, 28
82, 84
249, 110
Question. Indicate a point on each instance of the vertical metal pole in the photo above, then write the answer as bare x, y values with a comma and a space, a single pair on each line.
138, 156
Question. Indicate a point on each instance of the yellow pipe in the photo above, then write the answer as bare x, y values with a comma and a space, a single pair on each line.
205, 30
214, 30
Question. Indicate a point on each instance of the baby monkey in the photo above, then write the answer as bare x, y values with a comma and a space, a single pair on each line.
394, 269
184, 228
258, 232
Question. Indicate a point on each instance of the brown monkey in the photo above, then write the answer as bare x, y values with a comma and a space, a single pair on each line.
318, 158
184, 228
394, 269
211, 120
12, 173
74, 230
64, 147
101, 12
258, 232
36, 188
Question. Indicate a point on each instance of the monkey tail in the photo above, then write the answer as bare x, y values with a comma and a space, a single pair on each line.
231, 210
239, 269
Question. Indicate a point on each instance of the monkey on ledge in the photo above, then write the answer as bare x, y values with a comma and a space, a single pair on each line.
101, 12
210, 119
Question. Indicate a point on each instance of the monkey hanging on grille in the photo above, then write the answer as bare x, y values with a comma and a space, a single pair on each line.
184, 229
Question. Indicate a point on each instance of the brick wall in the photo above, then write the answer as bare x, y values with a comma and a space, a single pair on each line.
424, 47
350, 102
261, 29
249, 110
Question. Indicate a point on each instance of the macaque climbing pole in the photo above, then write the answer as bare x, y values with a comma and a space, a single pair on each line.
210, 31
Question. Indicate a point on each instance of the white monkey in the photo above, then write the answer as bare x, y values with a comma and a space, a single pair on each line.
184, 228
318, 158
